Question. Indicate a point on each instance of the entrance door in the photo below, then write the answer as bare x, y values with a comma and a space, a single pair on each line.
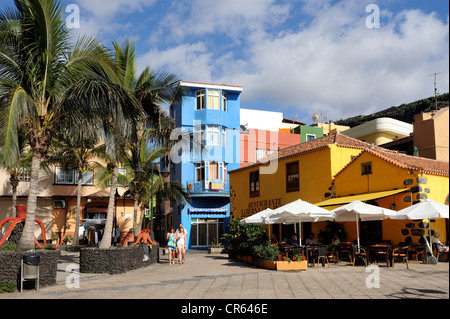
206, 231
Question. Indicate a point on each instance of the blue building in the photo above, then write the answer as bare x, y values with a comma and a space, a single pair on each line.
211, 115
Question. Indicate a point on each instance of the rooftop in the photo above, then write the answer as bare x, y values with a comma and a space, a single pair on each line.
394, 157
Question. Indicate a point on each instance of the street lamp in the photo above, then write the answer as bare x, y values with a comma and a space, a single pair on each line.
164, 173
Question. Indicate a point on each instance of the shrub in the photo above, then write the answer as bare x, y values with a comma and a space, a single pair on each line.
7, 286
266, 252
8, 247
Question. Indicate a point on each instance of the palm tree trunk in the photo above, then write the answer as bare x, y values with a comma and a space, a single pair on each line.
14, 181
105, 243
136, 229
27, 239
76, 236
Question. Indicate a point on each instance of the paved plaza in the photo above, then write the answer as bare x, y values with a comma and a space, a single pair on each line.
205, 276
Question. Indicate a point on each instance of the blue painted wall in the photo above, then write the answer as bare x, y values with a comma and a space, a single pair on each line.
186, 117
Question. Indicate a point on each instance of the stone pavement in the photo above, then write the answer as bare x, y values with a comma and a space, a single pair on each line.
205, 276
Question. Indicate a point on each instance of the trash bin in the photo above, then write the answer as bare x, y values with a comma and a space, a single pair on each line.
30, 268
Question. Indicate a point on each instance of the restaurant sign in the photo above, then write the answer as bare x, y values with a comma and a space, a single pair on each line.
260, 205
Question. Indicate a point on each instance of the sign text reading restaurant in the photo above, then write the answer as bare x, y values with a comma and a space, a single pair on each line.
260, 205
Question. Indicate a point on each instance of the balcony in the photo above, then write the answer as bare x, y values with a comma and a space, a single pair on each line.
208, 188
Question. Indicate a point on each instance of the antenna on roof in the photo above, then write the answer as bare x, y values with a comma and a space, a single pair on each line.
318, 117
435, 89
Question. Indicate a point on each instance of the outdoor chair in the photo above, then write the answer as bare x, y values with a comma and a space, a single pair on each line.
322, 254
402, 253
383, 254
438, 253
359, 253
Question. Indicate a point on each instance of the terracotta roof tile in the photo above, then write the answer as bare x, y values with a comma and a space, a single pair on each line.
425, 165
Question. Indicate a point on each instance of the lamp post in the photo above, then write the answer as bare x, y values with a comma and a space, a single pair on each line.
165, 173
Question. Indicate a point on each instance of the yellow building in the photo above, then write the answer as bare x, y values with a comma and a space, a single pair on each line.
326, 171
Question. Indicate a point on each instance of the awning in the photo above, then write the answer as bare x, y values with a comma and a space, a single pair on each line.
360, 197
209, 210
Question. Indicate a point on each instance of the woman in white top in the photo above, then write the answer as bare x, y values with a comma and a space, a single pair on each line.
181, 238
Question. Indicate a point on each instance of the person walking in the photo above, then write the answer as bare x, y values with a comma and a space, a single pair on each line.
171, 245
181, 243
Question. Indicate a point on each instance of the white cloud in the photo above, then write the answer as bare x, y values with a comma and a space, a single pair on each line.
334, 64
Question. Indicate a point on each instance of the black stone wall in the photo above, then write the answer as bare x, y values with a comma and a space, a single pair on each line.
115, 260
48, 266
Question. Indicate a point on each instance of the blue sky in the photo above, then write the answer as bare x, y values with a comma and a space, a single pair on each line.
298, 57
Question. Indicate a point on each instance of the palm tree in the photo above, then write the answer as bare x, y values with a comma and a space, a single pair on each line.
45, 81
151, 89
76, 152
140, 188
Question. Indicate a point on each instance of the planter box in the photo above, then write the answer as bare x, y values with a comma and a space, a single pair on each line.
215, 250
115, 260
267, 264
292, 265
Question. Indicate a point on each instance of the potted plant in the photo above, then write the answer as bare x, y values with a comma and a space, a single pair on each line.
68, 240
215, 248
54, 238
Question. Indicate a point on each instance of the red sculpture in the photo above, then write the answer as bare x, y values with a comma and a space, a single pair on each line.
21, 212
144, 237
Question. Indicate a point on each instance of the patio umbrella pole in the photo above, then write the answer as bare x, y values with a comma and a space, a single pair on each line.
357, 228
300, 229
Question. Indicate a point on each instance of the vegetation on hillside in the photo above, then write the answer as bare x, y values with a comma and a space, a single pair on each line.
404, 112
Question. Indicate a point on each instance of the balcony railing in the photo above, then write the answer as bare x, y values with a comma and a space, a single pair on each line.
209, 188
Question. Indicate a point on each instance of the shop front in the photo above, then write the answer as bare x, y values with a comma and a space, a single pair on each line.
207, 226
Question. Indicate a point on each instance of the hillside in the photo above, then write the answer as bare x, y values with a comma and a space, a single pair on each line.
404, 112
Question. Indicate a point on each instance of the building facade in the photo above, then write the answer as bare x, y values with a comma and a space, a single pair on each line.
209, 113
332, 171
57, 203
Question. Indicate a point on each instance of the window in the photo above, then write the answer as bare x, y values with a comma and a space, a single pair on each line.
292, 180
310, 137
260, 154
87, 178
211, 99
224, 136
213, 135
224, 102
70, 177
24, 177
254, 184
214, 99
200, 101
366, 168
64, 176
200, 172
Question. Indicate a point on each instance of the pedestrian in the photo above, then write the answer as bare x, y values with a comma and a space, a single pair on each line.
171, 244
181, 243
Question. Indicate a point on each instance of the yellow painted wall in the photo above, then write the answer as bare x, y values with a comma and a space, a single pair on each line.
64, 220
387, 176
316, 170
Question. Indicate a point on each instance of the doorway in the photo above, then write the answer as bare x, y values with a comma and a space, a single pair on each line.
206, 231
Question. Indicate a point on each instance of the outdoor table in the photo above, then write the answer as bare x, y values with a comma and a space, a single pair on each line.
374, 249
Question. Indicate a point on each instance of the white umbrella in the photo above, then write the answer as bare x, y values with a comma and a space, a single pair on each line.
358, 210
258, 218
299, 211
426, 209
422, 210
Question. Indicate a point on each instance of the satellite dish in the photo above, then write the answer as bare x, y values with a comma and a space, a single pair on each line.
316, 118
